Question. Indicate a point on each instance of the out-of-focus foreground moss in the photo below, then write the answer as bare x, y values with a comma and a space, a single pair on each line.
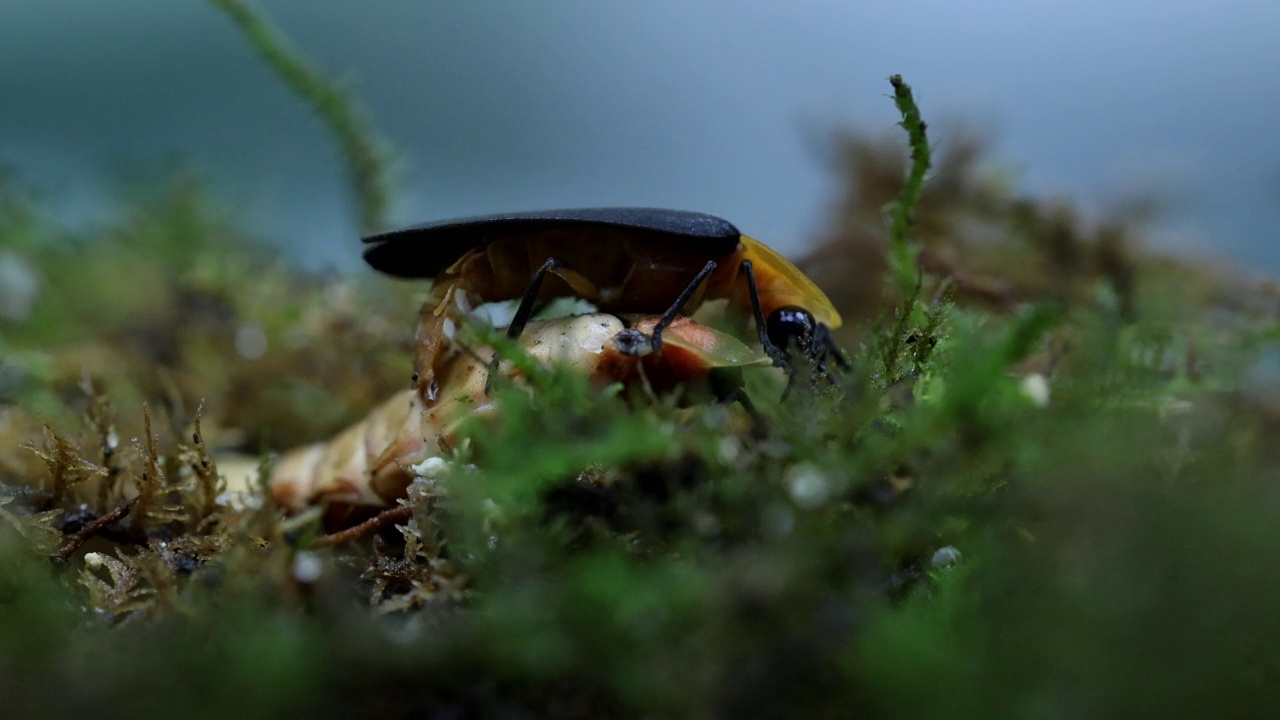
1048, 487
932, 541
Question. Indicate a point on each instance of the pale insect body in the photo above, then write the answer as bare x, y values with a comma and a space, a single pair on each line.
369, 464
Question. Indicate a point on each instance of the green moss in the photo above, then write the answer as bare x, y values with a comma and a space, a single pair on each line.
610, 556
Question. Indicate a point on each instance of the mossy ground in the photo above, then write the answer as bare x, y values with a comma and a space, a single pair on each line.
1115, 546
935, 537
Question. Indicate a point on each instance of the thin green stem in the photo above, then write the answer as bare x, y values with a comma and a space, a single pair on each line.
903, 251
366, 155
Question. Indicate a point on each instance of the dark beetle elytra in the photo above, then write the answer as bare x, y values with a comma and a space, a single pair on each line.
424, 251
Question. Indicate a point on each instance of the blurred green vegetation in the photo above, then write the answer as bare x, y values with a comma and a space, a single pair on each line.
1046, 487
170, 301
1113, 545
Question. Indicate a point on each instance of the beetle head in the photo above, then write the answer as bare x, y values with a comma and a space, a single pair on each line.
789, 326
793, 325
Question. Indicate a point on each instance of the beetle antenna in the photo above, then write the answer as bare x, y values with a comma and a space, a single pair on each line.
670, 315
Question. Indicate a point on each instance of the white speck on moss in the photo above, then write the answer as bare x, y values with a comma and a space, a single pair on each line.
729, 448
93, 561
1036, 387
307, 567
945, 556
808, 486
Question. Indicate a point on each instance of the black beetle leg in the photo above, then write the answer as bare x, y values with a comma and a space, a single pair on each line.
777, 354
670, 315
726, 388
523, 313
824, 347
774, 352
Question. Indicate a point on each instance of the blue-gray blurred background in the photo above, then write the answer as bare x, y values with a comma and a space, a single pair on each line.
703, 104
